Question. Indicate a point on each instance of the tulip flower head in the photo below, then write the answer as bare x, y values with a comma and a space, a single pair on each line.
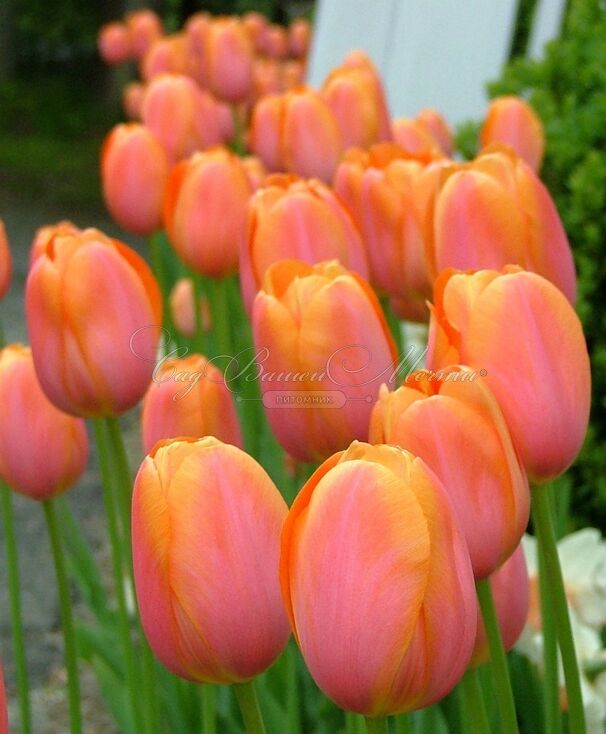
520, 329
325, 348
512, 121
377, 582
43, 451
453, 422
6, 262
206, 546
228, 59
93, 312
181, 302
114, 43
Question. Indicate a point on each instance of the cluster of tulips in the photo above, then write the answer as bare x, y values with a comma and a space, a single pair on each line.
278, 284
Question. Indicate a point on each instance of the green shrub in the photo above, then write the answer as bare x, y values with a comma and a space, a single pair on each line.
568, 90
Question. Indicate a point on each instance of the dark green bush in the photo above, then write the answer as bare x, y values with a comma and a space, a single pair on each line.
568, 90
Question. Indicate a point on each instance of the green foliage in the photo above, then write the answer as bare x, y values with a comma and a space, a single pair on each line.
568, 90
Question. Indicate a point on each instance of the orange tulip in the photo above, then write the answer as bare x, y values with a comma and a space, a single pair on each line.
324, 349
6, 262
386, 191
511, 594
452, 421
255, 24
168, 55
93, 308
145, 27
293, 219
207, 237
377, 582
132, 100
512, 121
206, 545
114, 43
43, 451
494, 212
45, 234
433, 122
134, 171
299, 37
229, 59
416, 139
275, 41
522, 331
188, 397
181, 301
296, 132
355, 95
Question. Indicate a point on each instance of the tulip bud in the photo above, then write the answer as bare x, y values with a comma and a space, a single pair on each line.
132, 100
495, 212
114, 43
416, 139
134, 170
229, 59
189, 397
181, 301
384, 189
168, 55
451, 420
93, 311
207, 237
299, 37
206, 545
43, 451
275, 41
433, 122
377, 582
356, 97
296, 132
6, 262
324, 349
511, 594
255, 170
145, 27
512, 121
255, 25
45, 234
298, 220
520, 329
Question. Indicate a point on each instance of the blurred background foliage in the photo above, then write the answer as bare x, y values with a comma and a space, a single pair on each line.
57, 101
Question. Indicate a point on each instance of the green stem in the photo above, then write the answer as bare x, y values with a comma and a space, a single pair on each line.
220, 316
543, 524
156, 245
292, 691
551, 686
122, 478
377, 724
498, 660
472, 703
403, 725
249, 706
199, 340
14, 593
209, 709
118, 567
67, 622
395, 326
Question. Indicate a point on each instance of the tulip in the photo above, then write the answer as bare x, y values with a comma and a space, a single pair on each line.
134, 170
293, 74
512, 121
386, 191
145, 27
275, 41
207, 237
6, 262
114, 43
255, 25
206, 545
43, 451
255, 170
416, 139
189, 397
299, 37
93, 308
181, 301
197, 29
324, 349
433, 122
168, 55
296, 132
182, 117
495, 212
356, 97
520, 329
229, 59
132, 100
511, 594
377, 582
452, 421
293, 219
267, 78
45, 234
